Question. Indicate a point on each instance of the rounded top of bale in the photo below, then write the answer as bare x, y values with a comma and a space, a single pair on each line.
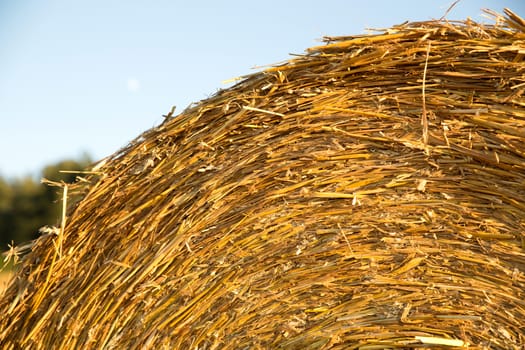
367, 194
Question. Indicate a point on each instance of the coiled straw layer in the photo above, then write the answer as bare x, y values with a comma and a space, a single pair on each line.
368, 194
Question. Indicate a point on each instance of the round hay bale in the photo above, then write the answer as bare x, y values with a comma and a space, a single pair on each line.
366, 195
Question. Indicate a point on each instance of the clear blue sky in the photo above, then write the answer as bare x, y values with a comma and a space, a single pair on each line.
89, 76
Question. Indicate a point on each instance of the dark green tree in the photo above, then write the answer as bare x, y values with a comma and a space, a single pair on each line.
26, 205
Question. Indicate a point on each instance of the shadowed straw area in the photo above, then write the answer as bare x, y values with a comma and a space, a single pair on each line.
368, 194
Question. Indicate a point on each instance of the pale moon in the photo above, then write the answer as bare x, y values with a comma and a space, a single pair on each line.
133, 85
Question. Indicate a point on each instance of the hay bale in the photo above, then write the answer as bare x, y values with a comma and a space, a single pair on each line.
368, 194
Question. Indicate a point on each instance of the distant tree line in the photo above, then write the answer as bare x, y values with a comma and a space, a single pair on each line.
27, 204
